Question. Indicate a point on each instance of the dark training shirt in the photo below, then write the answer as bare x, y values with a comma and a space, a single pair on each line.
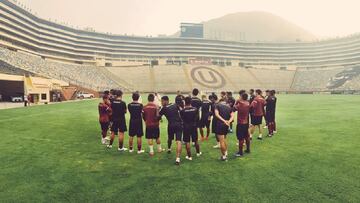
271, 104
135, 110
205, 109
224, 110
172, 114
196, 102
189, 116
118, 110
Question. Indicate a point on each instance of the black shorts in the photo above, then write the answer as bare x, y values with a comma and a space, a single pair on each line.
205, 122
136, 128
270, 116
174, 132
221, 128
213, 125
256, 120
152, 133
190, 132
118, 126
242, 131
104, 126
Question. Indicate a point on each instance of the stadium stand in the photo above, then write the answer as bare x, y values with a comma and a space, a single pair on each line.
82, 75
314, 80
6, 68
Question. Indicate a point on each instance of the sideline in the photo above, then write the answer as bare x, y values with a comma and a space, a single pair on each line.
12, 105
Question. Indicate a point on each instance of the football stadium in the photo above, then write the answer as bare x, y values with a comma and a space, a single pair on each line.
87, 116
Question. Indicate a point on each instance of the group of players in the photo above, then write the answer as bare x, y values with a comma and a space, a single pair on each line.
187, 116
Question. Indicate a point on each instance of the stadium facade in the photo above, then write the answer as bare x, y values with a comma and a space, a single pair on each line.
24, 33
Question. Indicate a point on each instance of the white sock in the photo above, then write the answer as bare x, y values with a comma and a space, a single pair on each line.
260, 135
226, 153
151, 148
159, 147
178, 159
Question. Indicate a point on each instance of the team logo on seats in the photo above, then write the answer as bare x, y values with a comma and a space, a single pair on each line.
207, 77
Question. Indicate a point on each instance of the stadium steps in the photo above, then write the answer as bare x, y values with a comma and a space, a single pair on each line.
293, 80
187, 76
125, 85
152, 79
260, 84
234, 86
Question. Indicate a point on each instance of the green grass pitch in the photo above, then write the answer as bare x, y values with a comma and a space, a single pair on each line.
53, 154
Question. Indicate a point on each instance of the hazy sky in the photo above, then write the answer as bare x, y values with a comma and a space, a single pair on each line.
324, 18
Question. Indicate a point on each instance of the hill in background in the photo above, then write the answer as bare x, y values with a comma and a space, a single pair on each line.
254, 26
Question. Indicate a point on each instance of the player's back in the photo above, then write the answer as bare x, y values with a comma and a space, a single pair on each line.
189, 116
242, 108
135, 110
104, 112
118, 109
224, 110
205, 107
151, 115
172, 114
196, 102
258, 106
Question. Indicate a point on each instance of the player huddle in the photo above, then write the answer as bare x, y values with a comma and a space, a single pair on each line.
187, 116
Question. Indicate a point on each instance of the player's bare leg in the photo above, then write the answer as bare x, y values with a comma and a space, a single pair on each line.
202, 133
169, 143
247, 141
207, 133
260, 131
121, 142
188, 151
178, 152
139, 145
197, 148
222, 147
131, 144
158, 142
217, 146
251, 131
241, 146
151, 147
112, 137
103, 136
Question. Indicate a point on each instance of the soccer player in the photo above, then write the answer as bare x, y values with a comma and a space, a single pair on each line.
214, 99
151, 118
197, 103
251, 95
242, 128
223, 96
225, 115
104, 117
190, 119
118, 120
172, 114
231, 101
205, 117
258, 112
267, 94
251, 99
135, 125
270, 112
